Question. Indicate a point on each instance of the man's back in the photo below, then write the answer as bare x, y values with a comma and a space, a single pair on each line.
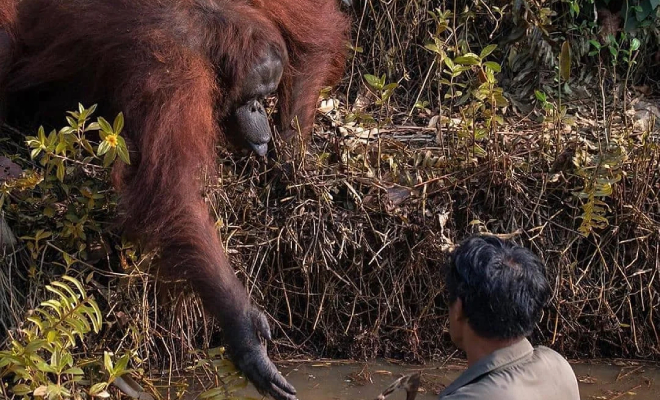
517, 372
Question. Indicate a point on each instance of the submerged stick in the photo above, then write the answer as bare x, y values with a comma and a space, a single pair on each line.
410, 383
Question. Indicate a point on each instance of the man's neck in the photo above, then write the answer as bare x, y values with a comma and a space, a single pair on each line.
480, 347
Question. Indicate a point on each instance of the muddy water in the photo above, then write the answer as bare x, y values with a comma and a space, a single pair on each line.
331, 380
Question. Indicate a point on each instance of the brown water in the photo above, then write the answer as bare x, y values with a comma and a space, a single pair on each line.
616, 380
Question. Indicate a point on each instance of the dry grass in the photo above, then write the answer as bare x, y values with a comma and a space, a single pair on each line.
348, 261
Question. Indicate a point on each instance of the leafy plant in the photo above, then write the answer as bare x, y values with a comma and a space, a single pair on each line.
64, 199
470, 83
639, 14
599, 172
41, 361
70, 142
384, 90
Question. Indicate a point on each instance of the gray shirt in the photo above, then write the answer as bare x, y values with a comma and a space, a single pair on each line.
516, 372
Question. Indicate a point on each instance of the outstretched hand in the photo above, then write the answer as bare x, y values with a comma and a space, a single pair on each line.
249, 355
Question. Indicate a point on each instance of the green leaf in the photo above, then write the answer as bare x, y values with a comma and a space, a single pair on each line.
43, 367
373, 81
37, 321
103, 148
109, 157
54, 304
391, 86
97, 388
105, 126
118, 125
67, 259
52, 137
81, 325
72, 122
42, 234
635, 44
65, 287
60, 148
614, 51
493, 66
478, 151
60, 170
66, 360
468, 59
97, 312
34, 345
540, 96
4, 361
107, 362
433, 47
487, 50
123, 154
76, 283
21, 389
52, 336
120, 367
85, 144
449, 63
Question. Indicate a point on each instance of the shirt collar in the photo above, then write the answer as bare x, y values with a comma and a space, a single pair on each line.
497, 359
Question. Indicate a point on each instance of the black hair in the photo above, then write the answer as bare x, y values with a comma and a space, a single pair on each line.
502, 286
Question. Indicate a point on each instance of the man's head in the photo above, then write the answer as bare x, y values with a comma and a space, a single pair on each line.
496, 288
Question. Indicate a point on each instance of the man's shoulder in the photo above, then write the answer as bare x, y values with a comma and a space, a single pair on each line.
548, 351
478, 391
549, 356
546, 374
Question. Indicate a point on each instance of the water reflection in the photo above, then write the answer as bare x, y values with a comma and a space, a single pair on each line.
338, 380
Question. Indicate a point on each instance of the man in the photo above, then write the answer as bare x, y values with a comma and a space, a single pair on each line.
497, 291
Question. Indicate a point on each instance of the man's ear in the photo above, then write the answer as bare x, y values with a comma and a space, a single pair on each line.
458, 309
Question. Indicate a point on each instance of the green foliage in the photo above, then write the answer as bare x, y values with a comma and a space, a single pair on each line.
470, 84
61, 203
557, 113
384, 90
70, 143
616, 48
41, 361
639, 14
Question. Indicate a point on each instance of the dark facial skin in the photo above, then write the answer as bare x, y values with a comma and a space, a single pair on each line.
249, 120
